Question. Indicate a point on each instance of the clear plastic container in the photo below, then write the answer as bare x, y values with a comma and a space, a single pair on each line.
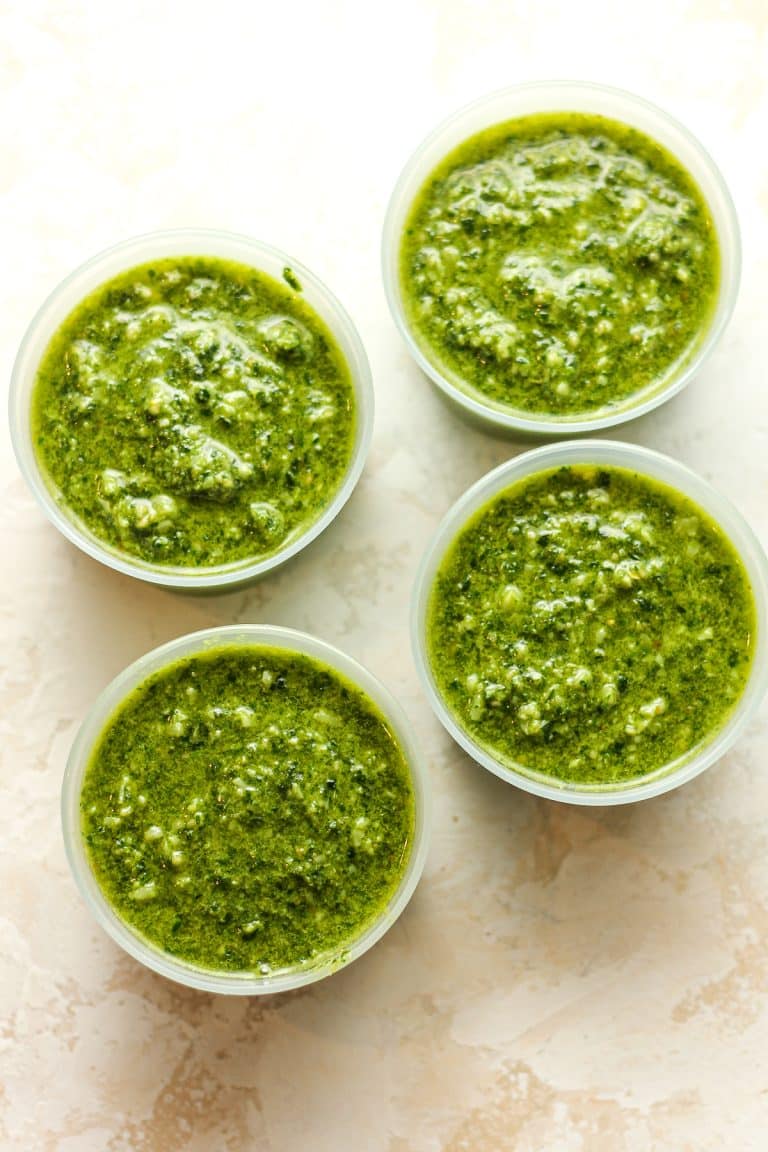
676, 476
131, 253
238, 983
563, 96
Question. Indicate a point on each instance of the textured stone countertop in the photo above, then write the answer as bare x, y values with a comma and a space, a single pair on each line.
564, 979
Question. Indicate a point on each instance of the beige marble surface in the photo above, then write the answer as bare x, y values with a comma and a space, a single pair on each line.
564, 980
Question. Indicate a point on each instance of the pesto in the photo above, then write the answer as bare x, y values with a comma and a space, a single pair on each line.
292, 279
560, 264
590, 624
248, 809
194, 412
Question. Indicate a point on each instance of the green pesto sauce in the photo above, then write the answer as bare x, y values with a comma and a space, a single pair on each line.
248, 809
194, 412
590, 624
559, 264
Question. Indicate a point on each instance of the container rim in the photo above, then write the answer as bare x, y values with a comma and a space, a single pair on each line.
577, 95
675, 475
132, 253
105, 706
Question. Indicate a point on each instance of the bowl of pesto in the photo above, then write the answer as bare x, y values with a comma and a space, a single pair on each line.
245, 810
590, 622
560, 257
192, 408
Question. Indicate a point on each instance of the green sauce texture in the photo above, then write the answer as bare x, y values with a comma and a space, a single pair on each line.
248, 809
194, 412
559, 264
590, 624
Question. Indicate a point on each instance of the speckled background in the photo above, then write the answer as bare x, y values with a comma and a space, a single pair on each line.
564, 980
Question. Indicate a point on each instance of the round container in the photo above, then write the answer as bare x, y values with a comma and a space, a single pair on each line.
563, 96
121, 258
674, 475
237, 983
